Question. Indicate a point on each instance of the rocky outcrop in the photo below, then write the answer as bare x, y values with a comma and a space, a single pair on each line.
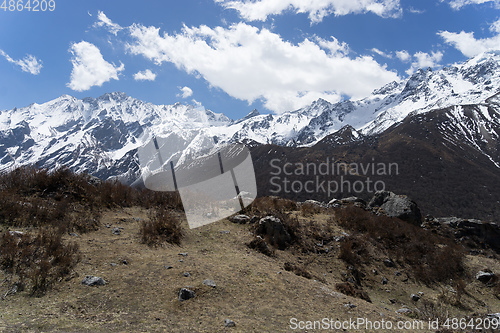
393, 205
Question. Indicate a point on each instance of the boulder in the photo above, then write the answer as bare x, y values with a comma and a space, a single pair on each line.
229, 323
240, 219
185, 294
93, 281
209, 283
485, 276
394, 205
274, 230
475, 230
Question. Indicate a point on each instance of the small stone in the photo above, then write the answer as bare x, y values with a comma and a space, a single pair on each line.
113, 264
404, 311
184, 254
93, 281
116, 231
168, 267
393, 301
350, 306
385, 281
185, 294
74, 234
415, 297
240, 219
398, 273
209, 283
485, 276
225, 232
229, 323
186, 274
125, 262
389, 263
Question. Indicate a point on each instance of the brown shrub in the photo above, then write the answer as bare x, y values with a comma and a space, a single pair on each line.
299, 270
37, 260
350, 289
432, 258
260, 245
163, 227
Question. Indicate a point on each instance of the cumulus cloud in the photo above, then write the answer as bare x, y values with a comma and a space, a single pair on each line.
104, 21
403, 55
259, 10
250, 64
466, 43
186, 92
458, 4
424, 60
29, 64
89, 67
146, 75
382, 53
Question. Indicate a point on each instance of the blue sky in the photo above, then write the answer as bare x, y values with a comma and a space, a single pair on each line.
232, 56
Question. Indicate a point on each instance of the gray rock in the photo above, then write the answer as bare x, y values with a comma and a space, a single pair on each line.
404, 311
315, 203
93, 281
415, 297
275, 231
229, 323
399, 206
385, 281
240, 219
485, 277
74, 234
350, 305
478, 231
187, 274
389, 263
209, 283
185, 294
184, 254
353, 200
168, 267
116, 231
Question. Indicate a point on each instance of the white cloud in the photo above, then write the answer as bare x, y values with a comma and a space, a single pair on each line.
259, 10
403, 55
250, 64
466, 43
89, 67
458, 4
424, 60
186, 92
104, 21
29, 64
146, 75
381, 53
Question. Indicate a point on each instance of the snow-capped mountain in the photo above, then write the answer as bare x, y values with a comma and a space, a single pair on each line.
101, 135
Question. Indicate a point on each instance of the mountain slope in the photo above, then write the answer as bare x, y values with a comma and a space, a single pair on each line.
455, 109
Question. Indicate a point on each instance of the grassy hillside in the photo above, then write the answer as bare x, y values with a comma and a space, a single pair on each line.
333, 265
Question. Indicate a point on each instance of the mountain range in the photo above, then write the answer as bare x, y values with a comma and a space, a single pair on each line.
442, 127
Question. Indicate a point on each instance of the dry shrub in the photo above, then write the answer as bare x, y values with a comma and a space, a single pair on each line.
350, 289
299, 270
260, 245
310, 209
432, 258
64, 200
164, 226
37, 260
270, 205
